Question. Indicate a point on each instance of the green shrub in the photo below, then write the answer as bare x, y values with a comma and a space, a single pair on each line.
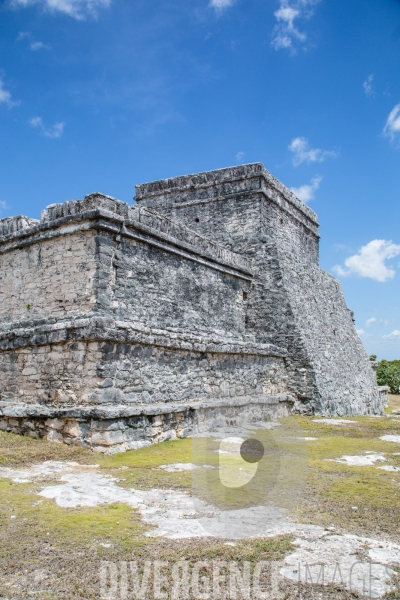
388, 373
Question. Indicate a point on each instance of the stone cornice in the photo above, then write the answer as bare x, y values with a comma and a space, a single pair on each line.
103, 329
118, 411
134, 222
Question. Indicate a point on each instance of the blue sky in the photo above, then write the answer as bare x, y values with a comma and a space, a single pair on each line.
97, 95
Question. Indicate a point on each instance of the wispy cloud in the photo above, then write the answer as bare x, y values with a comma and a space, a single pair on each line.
32, 43
383, 345
392, 127
286, 35
362, 332
370, 261
3, 206
303, 153
307, 192
240, 156
220, 5
5, 96
395, 334
54, 132
342, 248
78, 9
373, 322
367, 85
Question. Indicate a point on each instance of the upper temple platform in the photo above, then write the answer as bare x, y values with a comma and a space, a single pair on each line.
222, 184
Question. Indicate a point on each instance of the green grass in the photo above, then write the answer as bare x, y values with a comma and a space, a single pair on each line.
362, 500
140, 468
38, 517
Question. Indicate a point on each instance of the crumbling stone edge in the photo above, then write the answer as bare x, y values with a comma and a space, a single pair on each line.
106, 329
117, 428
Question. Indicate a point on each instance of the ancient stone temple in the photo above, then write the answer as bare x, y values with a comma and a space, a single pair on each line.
201, 304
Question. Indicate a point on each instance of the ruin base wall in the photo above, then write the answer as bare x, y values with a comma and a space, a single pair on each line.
101, 361
118, 428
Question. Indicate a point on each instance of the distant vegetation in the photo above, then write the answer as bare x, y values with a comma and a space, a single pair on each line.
388, 373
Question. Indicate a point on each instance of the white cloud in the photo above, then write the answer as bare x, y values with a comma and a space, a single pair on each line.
33, 44
370, 322
367, 85
302, 152
394, 334
5, 96
392, 127
240, 156
3, 206
78, 9
285, 33
37, 45
370, 261
342, 247
364, 334
55, 131
385, 346
307, 192
220, 5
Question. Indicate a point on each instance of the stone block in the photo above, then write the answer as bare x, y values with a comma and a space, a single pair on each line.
107, 438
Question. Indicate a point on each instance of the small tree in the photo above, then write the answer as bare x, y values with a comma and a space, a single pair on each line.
388, 373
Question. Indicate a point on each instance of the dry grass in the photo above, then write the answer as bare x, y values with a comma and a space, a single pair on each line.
394, 402
17, 451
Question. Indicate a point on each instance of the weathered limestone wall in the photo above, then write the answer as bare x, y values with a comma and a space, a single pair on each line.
100, 361
343, 374
126, 309
50, 278
292, 302
239, 223
228, 206
125, 265
162, 289
344, 383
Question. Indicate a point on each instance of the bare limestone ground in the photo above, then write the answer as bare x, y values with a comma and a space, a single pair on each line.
51, 552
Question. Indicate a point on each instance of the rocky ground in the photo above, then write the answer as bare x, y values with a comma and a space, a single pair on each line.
68, 516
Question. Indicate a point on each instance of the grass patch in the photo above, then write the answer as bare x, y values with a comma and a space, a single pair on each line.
334, 446
140, 468
152, 456
19, 451
254, 550
361, 500
40, 518
362, 426
394, 402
